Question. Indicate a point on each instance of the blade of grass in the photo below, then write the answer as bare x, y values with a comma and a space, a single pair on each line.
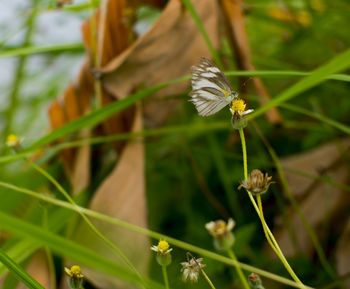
123, 136
147, 232
19, 72
331, 122
284, 73
18, 272
22, 249
338, 63
69, 249
98, 115
221, 167
189, 6
31, 50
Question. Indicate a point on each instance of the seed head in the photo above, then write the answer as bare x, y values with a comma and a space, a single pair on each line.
257, 183
190, 269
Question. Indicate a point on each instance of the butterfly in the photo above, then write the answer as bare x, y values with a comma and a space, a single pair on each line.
211, 90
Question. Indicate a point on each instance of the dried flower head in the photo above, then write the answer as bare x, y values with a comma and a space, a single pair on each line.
220, 229
190, 269
163, 252
75, 277
257, 183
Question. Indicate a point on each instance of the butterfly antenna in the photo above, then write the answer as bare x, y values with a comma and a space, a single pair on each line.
245, 82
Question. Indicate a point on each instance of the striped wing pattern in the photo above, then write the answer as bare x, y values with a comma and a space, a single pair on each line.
211, 90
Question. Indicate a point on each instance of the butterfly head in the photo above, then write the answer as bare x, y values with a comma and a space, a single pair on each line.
233, 95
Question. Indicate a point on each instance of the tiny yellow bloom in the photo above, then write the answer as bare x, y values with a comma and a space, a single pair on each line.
12, 140
238, 108
163, 245
75, 277
220, 229
238, 105
163, 252
74, 271
162, 248
221, 232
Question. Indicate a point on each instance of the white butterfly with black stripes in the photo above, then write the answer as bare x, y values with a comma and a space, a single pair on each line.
211, 90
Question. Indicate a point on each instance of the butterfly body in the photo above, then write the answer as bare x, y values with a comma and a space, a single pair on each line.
211, 90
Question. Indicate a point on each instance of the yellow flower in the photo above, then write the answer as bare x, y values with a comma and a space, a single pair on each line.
163, 253
12, 141
162, 248
75, 277
221, 232
238, 108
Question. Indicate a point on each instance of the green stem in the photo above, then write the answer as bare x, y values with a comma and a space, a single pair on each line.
86, 219
270, 238
208, 280
238, 269
165, 276
50, 262
277, 249
322, 256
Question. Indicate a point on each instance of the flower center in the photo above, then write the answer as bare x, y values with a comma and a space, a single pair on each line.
163, 246
75, 270
238, 105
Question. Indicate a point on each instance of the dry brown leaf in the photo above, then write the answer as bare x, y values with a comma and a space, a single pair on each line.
112, 39
121, 195
165, 52
58, 118
319, 202
38, 269
238, 36
75, 160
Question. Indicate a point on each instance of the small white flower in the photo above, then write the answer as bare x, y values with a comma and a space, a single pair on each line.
162, 248
219, 228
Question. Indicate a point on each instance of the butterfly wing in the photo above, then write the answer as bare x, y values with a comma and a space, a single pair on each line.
211, 89
207, 100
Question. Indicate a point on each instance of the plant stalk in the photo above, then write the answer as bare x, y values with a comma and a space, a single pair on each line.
238, 269
165, 276
269, 236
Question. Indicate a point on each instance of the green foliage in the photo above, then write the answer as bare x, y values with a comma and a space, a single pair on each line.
193, 165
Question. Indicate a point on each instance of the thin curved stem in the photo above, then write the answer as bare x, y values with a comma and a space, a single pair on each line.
278, 252
86, 219
270, 238
238, 269
208, 279
165, 276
